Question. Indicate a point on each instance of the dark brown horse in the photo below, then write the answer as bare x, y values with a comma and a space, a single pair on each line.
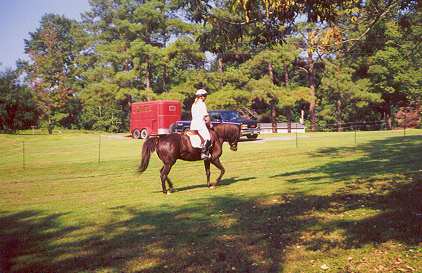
172, 147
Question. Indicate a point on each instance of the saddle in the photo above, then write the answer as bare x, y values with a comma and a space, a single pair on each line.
195, 138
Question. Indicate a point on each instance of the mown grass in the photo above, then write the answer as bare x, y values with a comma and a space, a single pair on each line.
328, 205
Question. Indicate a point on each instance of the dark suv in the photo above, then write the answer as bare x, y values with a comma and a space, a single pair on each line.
249, 127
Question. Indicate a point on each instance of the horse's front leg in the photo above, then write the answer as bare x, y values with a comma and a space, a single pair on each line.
216, 162
207, 166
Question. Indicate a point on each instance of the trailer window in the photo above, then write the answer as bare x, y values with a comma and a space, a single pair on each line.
172, 108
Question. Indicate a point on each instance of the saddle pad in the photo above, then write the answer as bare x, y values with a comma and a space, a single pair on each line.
195, 141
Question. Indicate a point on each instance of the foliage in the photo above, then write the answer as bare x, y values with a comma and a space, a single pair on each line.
18, 108
340, 95
229, 97
52, 49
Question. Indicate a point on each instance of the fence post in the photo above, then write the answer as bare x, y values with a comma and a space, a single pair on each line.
296, 135
23, 155
99, 149
404, 127
355, 135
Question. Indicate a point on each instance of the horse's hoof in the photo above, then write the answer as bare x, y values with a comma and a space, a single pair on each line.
172, 190
168, 192
211, 187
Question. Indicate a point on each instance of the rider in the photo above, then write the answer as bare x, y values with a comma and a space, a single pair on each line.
199, 120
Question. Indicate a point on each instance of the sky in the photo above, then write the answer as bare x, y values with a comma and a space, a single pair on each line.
19, 17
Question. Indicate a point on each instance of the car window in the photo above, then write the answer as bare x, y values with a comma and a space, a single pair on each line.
230, 116
215, 116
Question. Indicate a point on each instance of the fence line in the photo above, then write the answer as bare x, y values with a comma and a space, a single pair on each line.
23, 155
99, 149
29, 154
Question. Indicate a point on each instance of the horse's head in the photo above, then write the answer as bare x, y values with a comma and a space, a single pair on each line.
233, 146
230, 133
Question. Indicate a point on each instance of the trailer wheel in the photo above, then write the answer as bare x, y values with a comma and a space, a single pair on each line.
144, 133
136, 134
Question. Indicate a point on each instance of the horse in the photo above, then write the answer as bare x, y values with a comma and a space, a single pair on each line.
176, 146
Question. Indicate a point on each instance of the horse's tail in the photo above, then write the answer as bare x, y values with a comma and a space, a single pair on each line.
149, 147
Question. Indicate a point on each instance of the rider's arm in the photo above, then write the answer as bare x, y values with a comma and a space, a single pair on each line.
204, 111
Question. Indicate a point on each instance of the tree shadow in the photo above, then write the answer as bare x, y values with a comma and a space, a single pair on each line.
395, 155
386, 180
217, 234
223, 182
27, 236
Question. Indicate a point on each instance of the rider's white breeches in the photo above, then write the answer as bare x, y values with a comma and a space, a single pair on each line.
205, 133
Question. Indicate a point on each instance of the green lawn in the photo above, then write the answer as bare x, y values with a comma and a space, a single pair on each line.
327, 205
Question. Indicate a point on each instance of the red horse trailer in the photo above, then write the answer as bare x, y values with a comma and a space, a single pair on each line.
153, 117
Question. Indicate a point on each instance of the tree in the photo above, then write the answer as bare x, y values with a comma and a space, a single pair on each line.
52, 50
18, 108
130, 55
278, 97
288, 11
341, 95
390, 57
272, 62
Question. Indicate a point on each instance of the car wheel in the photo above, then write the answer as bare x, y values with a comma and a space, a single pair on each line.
252, 136
136, 134
144, 133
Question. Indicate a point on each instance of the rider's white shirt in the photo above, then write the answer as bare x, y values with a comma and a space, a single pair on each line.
199, 111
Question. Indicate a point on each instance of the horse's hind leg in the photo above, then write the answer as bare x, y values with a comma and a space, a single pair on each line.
164, 173
216, 162
208, 172
170, 184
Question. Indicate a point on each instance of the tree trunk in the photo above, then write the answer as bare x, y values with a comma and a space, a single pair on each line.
220, 64
302, 116
270, 72
288, 110
164, 79
388, 117
147, 80
50, 125
338, 116
311, 82
11, 113
289, 119
273, 102
273, 117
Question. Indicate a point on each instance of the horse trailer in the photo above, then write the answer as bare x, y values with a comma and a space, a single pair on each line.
153, 117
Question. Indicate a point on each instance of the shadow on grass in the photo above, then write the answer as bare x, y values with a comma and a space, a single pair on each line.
219, 234
233, 234
26, 237
395, 155
386, 178
223, 182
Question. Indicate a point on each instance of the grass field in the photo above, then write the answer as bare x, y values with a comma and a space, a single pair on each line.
328, 205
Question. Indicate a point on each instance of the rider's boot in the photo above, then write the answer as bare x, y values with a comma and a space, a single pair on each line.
205, 152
